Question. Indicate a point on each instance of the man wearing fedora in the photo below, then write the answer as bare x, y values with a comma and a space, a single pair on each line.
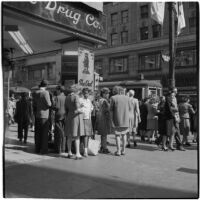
42, 103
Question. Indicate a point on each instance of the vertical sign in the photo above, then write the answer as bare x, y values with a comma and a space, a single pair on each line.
86, 68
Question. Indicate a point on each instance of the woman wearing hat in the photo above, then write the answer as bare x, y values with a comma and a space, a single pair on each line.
104, 119
74, 126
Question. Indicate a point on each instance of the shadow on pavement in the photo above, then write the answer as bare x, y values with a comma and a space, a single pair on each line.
187, 170
44, 182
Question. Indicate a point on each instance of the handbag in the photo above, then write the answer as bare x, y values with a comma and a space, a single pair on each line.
93, 147
177, 118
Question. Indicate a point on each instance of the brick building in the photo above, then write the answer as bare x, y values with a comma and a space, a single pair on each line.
136, 43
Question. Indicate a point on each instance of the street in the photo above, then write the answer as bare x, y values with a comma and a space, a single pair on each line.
144, 172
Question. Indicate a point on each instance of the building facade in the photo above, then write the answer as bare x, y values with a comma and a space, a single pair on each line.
54, 31
136, 45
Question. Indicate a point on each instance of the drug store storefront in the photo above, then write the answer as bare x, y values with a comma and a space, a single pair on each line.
52, 40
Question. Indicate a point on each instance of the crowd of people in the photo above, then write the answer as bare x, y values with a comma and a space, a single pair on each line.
74, 117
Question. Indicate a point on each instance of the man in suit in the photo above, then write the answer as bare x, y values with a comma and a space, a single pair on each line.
134, 118
59, 107
23, 116
185, 109
120, 107
42, 103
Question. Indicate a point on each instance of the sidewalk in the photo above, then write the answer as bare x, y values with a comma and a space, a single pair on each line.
143, 172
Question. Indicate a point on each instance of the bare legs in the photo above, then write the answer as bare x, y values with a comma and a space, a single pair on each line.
77, 146
118, 142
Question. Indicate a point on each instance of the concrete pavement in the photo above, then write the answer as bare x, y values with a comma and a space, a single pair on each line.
143, 172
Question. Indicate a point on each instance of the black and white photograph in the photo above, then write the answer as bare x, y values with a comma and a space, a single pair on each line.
100, 99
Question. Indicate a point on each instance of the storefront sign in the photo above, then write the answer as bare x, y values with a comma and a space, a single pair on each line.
65, 14
86, 68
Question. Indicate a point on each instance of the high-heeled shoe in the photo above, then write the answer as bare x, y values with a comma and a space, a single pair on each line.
172, 149
164, 148
78, 158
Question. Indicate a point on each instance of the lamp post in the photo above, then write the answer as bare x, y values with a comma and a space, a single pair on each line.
171, 77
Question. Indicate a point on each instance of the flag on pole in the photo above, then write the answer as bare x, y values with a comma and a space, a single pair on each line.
180, 16
158, 11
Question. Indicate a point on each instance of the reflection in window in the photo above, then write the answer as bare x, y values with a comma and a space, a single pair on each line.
50, 67
186, 57
114, 39
144, 33
124, 16
114, 19
119, 64
150, 62
156, 29
124, 37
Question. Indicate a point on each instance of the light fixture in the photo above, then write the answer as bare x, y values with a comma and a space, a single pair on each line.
71, 53
19, 39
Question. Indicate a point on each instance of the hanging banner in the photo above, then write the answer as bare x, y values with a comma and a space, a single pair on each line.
86, 68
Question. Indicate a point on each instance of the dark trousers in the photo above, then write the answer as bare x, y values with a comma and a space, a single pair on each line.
23, 127
41, 135
59, 137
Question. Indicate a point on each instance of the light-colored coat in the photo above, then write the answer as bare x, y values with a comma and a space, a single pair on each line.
120, 107
134, 113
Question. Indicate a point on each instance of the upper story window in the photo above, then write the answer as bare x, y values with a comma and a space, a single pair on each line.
114, 39
186, 57
150, 61
156, 30
118, 65
144, 11
192, 22
192, 4
124, 16
114, 19
144, 33
124, 37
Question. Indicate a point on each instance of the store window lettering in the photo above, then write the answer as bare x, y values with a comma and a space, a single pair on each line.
86, 83
75, 16
90, 20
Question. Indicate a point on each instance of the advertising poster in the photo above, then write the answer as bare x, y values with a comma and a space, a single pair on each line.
86, 68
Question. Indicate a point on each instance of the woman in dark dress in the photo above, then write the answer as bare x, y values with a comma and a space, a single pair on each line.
162, 124
142, 127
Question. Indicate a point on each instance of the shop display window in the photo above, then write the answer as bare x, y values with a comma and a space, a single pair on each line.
150, 62
119, 65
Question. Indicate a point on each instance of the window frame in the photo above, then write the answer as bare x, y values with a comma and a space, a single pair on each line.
144, 15
111, 19
156, 25
150, 54
122, 37
195, 57
111, 39
126, 17
119, 57
141, 32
